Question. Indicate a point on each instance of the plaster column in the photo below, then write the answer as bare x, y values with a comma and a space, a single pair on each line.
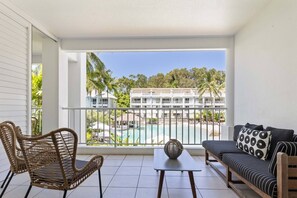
227, 131
50, 62
77, 94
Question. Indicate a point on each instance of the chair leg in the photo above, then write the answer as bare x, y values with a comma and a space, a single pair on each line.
28, 191
6, 178
206, 157
65, 194
6, 185
100, 184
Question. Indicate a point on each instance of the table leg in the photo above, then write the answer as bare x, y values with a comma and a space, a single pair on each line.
192, 183
161, 183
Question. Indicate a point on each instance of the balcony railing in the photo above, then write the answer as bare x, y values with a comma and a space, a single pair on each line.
145, 126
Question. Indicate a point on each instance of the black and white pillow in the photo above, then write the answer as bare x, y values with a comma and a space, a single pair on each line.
254, 142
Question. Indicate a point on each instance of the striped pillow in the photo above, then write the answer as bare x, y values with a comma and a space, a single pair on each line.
290, 148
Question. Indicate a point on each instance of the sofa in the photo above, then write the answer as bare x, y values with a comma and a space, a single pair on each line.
276, 176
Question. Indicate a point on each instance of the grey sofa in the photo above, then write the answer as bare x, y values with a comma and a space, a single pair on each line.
260, 175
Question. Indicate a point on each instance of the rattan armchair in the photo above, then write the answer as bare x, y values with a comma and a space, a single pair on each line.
56, 167
13, 152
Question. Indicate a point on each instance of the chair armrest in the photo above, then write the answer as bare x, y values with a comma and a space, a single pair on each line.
96, 161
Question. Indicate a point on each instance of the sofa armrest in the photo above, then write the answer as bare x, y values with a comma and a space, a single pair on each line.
286, 175
294, 138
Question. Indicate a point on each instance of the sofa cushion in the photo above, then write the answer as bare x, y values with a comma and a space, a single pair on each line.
294, 138
254, 142
253, 170
290, 148
219, 147
278, 135
237, 129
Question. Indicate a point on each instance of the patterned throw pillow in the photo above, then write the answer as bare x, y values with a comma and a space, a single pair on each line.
254, 142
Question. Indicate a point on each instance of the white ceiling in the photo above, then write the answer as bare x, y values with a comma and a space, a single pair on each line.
141, 18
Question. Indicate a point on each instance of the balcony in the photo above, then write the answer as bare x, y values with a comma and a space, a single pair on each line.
126, 176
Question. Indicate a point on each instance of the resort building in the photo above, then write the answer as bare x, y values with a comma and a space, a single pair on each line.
104, 100
172, 98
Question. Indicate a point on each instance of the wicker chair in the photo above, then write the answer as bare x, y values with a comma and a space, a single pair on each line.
56, 167
13, 152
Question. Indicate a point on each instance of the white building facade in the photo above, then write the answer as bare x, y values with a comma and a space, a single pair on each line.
165, 98
103, 100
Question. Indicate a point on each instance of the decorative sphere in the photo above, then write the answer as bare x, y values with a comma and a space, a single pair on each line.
173, 148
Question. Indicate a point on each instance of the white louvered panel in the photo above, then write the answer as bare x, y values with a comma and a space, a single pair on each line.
11, 78
13, 69
13, 85
11, 37
10, 114
11, 62
13, 102
16, 91
16, 119
4, 47
12, 27
11, 44
12, 107
16, 34
12, 56
7, 72
12, 96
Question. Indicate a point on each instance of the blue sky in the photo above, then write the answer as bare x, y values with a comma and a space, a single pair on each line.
151, 63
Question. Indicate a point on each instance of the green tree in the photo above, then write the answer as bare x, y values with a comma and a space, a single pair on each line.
123, 100
139, 81
125, 84
179, 78
157, 81
37, 86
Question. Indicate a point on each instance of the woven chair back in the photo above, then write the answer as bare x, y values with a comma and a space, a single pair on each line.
8, 139
50, 158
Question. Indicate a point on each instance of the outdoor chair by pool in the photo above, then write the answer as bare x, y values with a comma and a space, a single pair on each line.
13, 152
57, 168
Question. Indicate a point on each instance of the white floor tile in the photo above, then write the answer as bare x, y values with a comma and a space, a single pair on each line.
128, 170
150, 193
218, 193
182, 193
120, 193
124, 181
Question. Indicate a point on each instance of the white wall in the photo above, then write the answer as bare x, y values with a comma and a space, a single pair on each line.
266, 67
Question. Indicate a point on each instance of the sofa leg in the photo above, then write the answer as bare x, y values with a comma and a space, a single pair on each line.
229, 177
206, 157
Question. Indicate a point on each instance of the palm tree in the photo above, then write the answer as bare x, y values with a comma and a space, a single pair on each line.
209, 84
98, 77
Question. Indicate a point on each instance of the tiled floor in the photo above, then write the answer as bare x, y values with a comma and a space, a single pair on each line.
130, 176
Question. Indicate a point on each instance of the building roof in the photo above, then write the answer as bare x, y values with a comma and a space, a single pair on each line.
157, 91
104, 95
